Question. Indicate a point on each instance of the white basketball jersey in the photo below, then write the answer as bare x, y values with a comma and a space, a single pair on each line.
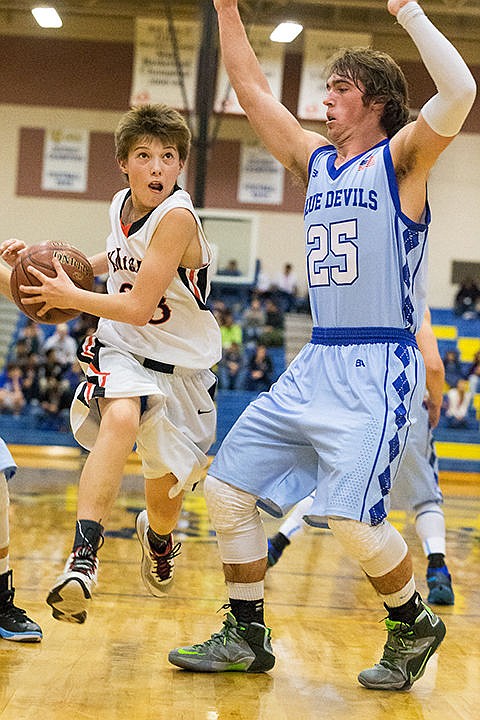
182, 330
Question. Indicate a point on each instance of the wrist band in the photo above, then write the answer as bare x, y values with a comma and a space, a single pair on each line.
408, 12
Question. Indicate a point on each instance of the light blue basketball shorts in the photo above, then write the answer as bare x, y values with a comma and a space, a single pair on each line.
417, 481
336, 422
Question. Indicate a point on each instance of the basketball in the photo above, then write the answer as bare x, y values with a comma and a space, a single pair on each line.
75, 264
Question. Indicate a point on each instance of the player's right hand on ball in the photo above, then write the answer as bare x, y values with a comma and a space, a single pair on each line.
11, 249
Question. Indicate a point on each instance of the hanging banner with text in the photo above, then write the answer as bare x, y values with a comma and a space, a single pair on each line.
319, 46
156, 77
261, 177
65, 160
271, 58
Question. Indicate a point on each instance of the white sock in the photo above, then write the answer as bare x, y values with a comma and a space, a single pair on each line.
401, 596
246, 591
430, 527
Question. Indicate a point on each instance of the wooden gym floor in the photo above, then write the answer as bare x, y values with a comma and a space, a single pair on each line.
326, 621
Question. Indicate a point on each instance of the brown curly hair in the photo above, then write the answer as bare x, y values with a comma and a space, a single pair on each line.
379, 77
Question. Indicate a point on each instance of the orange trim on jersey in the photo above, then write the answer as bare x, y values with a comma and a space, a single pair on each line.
87, 345
192, 275
89, 390
126, 227
101, 375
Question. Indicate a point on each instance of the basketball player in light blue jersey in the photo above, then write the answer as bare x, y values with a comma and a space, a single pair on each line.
417, 486
337, 421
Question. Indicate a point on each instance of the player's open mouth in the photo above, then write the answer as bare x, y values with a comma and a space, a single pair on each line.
156, 186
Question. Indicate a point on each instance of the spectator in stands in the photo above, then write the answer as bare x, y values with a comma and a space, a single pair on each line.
50, 367
230, 330
231, 268
467, 299
274, 324
20, 354
286, 288
263, 284
54, 400
12, 399
32, 337
63, 343
253, 321
473, 374
30, 381
259, 376
218, 307
453, 368
230, 369
459, 402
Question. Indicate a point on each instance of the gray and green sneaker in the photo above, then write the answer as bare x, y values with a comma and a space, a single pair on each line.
406, 652
236, 648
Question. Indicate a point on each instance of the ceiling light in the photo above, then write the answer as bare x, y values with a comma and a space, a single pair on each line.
47, 17
286, 32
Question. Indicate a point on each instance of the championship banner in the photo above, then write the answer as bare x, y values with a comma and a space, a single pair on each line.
270, 56
319, 46
65, 160
155, 74
261, 177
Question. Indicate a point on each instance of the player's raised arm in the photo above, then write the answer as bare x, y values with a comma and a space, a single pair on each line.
278, 129
442, 117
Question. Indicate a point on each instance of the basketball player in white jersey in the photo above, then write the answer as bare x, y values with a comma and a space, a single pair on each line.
148, 380
338, 419
417, 485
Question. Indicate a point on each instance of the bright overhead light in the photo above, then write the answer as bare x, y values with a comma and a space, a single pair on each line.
47, 17
286, 32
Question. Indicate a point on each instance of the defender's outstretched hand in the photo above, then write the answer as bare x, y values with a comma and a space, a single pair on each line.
394, 6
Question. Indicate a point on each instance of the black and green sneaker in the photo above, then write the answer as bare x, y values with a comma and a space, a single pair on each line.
406, 652
236, 648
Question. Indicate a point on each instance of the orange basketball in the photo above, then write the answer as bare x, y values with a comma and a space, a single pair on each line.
75, 264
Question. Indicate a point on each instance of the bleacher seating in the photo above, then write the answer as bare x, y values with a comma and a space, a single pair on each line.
458, 449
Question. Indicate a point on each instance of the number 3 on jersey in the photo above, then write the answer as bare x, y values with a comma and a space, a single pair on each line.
331, 254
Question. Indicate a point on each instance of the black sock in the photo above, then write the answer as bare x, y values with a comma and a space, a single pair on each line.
157, 542
280, 541
247, 611
436, 560
408, 612
90, 533
6, 581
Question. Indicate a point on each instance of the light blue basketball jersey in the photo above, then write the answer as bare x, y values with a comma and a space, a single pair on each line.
337, 421
366, 261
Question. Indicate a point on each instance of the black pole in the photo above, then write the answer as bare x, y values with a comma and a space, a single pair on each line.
207, 67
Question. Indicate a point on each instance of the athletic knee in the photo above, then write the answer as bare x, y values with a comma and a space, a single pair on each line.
378, 548
229, 508
235, 518
121, 414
